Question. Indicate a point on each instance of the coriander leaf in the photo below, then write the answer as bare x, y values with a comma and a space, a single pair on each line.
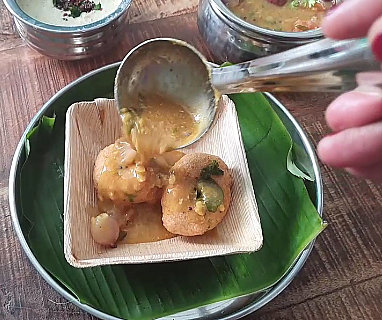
295, 3
303, 3
98, 6
211, 170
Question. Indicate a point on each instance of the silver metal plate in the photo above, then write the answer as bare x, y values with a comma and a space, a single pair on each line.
231, 309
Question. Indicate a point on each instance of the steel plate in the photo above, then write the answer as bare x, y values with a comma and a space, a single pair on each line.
226, 310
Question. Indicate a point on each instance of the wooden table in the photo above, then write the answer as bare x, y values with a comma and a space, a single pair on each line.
342, 278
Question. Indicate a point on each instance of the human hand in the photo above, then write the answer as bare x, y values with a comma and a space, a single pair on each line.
356, 116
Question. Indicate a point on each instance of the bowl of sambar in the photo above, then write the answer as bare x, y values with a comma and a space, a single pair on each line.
240, 30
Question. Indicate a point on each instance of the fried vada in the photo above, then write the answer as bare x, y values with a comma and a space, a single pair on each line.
118, 178
198, 195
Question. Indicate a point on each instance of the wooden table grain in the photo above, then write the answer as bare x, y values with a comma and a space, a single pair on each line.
342, 278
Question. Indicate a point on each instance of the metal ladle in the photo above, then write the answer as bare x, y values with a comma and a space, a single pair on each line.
177, 71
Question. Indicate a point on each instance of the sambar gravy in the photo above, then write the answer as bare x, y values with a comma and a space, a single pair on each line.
161, 126
146, 225
131, 173
288, 16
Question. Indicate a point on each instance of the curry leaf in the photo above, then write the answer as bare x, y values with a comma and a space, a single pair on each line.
75, 12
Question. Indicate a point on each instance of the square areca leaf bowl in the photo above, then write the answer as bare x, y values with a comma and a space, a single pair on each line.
90, 127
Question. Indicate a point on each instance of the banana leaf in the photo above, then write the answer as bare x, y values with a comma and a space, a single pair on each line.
148, 291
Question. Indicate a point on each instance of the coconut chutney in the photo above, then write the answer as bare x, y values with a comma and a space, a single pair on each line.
44, 11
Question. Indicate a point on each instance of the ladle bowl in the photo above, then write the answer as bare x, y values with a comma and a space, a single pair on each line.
172, 69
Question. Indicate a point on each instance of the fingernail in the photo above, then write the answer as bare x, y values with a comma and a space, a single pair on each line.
376, 47
369, 90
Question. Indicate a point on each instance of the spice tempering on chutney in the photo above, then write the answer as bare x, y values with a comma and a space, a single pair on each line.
76, 7
68, 13
282, 15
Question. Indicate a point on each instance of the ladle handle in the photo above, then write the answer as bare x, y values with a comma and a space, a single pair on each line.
325, 65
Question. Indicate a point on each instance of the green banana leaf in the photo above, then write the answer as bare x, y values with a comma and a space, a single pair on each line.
289, 220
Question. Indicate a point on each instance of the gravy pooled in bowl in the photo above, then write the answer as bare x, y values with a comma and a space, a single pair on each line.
135, 174
281, 15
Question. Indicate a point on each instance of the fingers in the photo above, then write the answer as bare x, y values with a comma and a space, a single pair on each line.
353, 148
352, 19
373, 172
356, 117
355, 109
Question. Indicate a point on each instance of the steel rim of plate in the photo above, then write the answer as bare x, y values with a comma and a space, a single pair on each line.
270, 294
